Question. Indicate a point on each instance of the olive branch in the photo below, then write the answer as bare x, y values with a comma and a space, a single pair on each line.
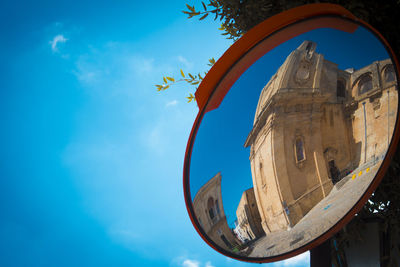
188, 78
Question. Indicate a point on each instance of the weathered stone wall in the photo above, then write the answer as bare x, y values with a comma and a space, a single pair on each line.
248, 217
375, 113
254, 218
217, 227
243, 218
266, 190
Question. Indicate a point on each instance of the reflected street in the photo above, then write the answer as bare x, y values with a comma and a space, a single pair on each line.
320, 218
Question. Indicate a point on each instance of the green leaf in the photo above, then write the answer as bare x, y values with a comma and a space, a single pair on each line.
191, 97
196, 82
165, 80
183, 74
212, 61
171, 79
190, 8
191, 76
204, 5
166, 87
204, 16
213, 3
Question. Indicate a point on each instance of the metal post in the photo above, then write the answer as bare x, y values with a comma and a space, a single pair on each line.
365, 134
388, 118
319, 175
321, 255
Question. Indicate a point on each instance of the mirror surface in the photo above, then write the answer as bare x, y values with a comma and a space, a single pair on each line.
295, 143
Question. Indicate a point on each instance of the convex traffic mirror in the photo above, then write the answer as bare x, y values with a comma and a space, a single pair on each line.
293, 138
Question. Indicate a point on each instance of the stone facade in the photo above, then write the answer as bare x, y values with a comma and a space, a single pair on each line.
314, 123
210, 214
248, 217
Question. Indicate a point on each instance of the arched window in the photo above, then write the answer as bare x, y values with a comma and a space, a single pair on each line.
364, 84
308, 46
217, 207
388, 73
299, 150
340, 89
210, 207
226, 241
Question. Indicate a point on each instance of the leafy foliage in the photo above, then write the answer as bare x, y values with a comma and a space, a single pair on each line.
238, 16
188, 78
218, 8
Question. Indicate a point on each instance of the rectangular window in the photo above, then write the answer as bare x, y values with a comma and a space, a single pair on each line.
299, 150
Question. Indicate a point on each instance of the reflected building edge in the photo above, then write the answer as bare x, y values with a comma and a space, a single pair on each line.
209, 211
315, 124
248, 222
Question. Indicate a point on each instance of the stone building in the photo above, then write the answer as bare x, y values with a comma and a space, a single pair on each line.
210, 213
248, 217
315, 123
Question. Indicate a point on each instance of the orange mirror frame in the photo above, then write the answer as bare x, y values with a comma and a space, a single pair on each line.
247, 50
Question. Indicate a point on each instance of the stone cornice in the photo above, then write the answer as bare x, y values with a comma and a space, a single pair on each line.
282, 98
212, 183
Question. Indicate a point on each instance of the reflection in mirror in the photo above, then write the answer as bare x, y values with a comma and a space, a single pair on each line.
295, 143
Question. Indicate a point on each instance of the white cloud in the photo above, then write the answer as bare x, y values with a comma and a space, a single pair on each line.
190, 263
229, 260
193, 263
57, 39
299, 260
90, 70
86, 76
58, 24
126, 235
171, 103
113, 68
141, 65
187, 64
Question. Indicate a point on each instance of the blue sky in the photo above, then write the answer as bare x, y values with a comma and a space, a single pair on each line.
92, 154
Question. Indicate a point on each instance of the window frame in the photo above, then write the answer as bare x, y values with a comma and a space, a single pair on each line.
297, 160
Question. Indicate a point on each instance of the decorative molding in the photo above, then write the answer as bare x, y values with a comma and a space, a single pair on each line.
303, 72
376, 104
